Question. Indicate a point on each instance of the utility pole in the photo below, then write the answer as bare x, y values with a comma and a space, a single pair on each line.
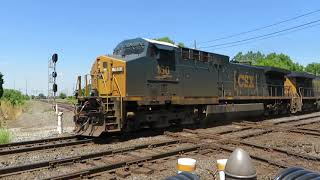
195, 44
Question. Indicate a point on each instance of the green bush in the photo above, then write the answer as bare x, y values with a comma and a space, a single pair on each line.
16, 98
62, 96
5, 136
72, 100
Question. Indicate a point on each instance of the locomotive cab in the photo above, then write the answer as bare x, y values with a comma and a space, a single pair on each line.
108, 77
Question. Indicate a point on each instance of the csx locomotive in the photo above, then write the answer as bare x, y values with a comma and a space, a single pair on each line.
153, 84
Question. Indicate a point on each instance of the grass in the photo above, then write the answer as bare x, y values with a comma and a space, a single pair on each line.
69, 100
9, 111
5, 136
12, 104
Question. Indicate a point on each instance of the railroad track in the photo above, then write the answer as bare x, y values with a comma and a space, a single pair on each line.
121, 161
228, 141
66, 106
105, 161
49, 143
230, 144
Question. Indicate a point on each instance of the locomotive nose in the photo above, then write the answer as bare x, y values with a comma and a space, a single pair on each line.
111, 76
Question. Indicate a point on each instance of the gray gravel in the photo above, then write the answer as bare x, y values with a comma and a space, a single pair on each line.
39, 122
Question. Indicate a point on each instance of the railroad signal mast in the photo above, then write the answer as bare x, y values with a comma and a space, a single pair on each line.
52, 75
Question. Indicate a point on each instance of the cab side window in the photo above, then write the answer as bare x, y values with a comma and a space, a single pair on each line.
166, 59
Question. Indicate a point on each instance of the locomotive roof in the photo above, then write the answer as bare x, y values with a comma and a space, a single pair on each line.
266, 69
302, 75
160, 42
165, 46
248, 66
276, 70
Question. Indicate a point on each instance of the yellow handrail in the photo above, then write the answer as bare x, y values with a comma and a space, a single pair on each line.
116, 82
105, 86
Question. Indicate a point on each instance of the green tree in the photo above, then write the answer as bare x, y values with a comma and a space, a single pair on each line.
1, 83
41, 96
165, 39
62, 96
250, 57
313, 68
181, 44
281, 61
169, 40
273, 59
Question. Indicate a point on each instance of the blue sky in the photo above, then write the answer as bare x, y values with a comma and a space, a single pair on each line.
79, 31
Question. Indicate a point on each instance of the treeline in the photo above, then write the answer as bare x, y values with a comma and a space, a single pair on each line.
14, 97
276, 60
1, 83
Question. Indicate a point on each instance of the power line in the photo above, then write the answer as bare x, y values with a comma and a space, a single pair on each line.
260, 28
267, 37
261, 36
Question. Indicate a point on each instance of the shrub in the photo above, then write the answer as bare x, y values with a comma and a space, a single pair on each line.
41, 96
5, 136
9, 111
72, 100
16, 98
62, 96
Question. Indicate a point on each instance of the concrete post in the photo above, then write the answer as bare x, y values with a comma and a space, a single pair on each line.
60, 124
57, 110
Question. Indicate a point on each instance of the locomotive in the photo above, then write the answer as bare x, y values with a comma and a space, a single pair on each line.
151, 84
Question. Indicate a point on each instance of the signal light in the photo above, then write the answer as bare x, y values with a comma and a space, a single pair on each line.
55, 87
54, 74
54, 58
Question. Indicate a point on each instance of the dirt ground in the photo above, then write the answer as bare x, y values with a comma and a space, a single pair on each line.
39, 121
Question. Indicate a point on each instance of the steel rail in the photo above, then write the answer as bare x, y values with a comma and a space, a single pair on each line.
221, 144
229, 149
258, 158
51, 163
41, 146
246, 143
254, 125
36, 141
112, 166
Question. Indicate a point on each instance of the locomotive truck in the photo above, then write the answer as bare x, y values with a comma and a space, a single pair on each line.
151, 84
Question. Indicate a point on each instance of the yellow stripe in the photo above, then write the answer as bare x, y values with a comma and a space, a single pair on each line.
186, 168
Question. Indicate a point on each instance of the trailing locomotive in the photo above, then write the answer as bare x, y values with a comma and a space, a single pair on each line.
153, 84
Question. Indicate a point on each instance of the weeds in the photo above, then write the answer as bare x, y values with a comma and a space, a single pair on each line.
12, 104
5, 136
16, 98
9, 111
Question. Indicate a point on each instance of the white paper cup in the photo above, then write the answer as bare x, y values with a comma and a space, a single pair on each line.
186, 165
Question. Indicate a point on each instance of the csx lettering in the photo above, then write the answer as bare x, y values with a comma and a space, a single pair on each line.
246, 81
